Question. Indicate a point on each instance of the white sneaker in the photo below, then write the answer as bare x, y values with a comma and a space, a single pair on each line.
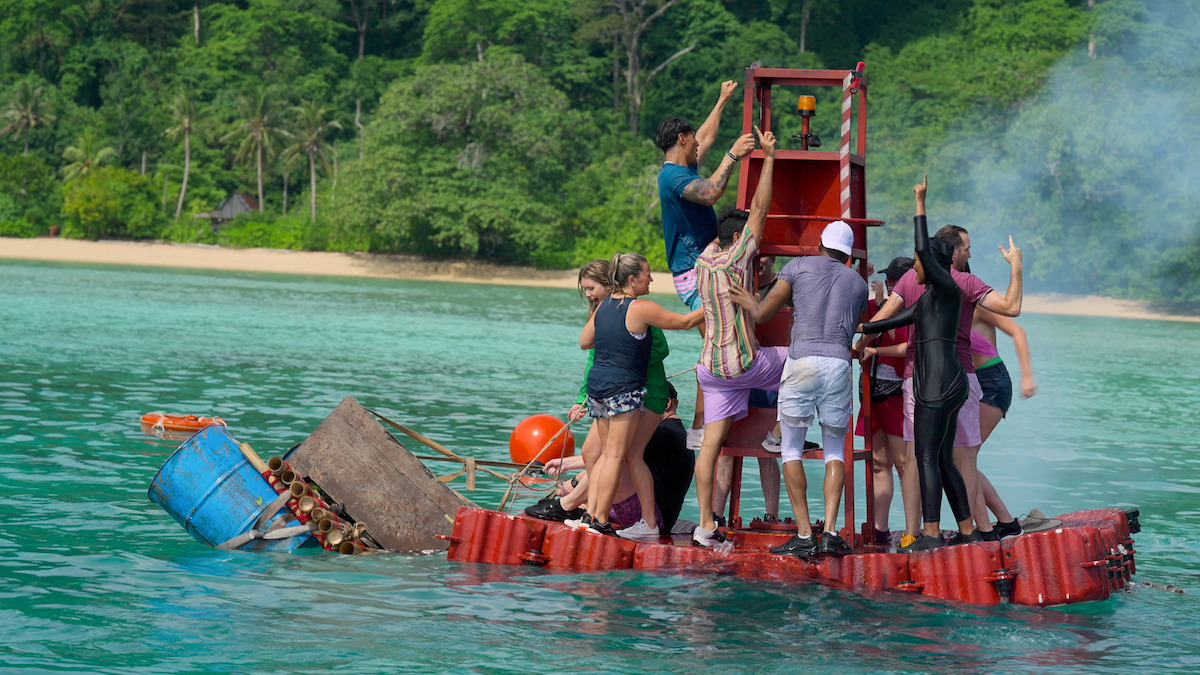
639, 530
773, 443
695, 438
578, 524
713, 540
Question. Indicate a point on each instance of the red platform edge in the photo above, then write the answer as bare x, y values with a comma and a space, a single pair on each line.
1084, 560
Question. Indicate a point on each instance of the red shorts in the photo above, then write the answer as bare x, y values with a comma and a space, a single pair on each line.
887, 415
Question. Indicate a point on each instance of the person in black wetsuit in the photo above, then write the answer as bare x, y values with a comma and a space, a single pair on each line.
939, 382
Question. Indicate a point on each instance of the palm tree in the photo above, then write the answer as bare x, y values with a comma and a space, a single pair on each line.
85, 156
312, 125
187, 120
259, 130
26, 109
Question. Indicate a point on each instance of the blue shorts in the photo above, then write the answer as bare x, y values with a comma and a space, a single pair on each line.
616, 405
996, 384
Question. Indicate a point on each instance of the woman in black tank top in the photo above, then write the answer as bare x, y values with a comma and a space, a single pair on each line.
616, 385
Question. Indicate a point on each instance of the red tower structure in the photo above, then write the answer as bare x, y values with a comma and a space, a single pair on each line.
812, 188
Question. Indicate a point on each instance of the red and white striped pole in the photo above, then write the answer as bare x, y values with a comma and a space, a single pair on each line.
844, 157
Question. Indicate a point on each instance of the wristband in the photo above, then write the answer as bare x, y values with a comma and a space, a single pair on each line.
730, 156
575, 481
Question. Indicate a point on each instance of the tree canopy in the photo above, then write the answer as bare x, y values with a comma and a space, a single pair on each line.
521, 130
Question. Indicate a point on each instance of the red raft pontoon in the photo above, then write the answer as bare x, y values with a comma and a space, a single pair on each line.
1085, 559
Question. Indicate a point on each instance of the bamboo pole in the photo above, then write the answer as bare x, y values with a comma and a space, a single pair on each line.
252, 456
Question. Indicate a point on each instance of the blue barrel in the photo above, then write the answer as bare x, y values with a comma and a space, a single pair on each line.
211, 489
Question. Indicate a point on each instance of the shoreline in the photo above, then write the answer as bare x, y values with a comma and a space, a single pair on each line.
416, 268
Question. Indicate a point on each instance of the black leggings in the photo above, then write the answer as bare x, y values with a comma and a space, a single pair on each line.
933, 443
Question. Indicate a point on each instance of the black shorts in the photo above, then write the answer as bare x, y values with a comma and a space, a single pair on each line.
997, 387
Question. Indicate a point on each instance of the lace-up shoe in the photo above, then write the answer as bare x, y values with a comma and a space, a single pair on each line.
832, 544
551, 508
639, 530
801, 547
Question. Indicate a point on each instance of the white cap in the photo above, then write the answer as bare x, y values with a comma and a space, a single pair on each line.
838, 237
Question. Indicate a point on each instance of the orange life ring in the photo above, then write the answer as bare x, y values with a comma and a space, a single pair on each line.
179, 422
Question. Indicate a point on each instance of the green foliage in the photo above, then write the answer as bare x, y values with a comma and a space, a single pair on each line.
30, 196
263, 230
462, 160
111, 202
501, 128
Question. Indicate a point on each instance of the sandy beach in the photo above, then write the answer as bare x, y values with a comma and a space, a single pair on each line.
155, 254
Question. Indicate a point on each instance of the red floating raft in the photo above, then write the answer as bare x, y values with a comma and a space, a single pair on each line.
166, 422
1084, 560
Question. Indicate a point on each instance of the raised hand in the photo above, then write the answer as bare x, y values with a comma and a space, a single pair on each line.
878, 290
920, 189
1013, 254
742, 146
767, 140
727, 89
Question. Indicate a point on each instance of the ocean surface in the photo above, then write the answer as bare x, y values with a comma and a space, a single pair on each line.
95, 578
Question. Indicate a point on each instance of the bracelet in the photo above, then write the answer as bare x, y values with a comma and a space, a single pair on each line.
575, 481
730, 156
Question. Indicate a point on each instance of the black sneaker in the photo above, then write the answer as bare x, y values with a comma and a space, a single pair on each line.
718, 519
832, 544
602, 528
959, 538
809, 445
801, 547
923, 543
1006, 530
990, 535
551, 508
883, 536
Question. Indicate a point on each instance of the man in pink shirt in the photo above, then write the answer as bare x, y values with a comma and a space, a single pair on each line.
974, 292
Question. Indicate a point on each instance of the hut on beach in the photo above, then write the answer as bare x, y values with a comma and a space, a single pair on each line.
233, 204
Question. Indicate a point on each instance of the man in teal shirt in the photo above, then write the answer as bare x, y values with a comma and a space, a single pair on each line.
689, 221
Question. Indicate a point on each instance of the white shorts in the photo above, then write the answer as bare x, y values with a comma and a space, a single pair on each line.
816, 386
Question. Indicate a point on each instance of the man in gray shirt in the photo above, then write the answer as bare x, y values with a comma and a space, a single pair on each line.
829, 299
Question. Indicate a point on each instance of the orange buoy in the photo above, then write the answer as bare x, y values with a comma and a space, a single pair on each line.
163, 421
533, 433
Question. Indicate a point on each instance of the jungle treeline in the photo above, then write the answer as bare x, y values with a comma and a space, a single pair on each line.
522, 130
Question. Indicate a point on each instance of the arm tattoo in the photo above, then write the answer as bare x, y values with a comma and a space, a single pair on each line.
701, 191
723, 179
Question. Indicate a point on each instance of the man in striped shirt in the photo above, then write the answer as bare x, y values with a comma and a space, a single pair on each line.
731, 363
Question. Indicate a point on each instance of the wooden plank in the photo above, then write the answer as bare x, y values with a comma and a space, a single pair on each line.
380, 483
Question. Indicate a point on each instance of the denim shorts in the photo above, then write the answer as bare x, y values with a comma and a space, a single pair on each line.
997, 386
616, 405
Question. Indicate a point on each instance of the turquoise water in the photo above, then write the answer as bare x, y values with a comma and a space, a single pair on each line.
95, 578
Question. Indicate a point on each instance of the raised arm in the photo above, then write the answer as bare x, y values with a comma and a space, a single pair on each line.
706, 135
707, 191
934, 273
762, 195
1008, 304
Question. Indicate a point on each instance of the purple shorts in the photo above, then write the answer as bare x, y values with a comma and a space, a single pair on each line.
967, 435
626, 513
731, 398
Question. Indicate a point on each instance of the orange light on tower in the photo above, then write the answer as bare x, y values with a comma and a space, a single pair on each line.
806, 107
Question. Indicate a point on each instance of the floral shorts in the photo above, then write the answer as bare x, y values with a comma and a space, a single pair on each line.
615, 405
